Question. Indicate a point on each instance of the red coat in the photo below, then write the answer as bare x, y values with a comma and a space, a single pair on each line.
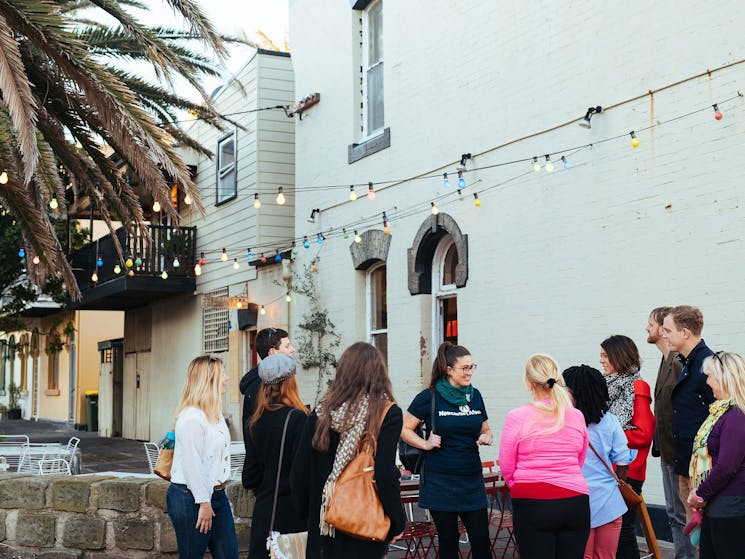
641, 437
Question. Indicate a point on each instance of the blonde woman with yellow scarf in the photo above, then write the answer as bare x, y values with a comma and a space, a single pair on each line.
718, 462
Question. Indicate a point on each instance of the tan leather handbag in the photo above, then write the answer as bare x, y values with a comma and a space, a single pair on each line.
355, 508
163, 465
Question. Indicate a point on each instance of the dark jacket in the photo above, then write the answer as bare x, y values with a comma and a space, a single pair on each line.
667, 377
260, 475
311, 468
691, 397
249, 387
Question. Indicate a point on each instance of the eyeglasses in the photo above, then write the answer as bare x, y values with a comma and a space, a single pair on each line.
468, 368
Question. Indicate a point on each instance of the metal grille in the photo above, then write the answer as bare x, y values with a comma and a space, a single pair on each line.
215, 325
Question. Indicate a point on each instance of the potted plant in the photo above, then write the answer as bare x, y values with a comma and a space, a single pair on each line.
14, 409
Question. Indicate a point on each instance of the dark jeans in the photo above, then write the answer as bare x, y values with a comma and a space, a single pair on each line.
552, 528
192, 544
723, 537
627, 546
477, 526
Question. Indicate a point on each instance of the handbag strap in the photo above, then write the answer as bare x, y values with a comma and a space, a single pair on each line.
374, 439
607, 467
279, 469
432, 411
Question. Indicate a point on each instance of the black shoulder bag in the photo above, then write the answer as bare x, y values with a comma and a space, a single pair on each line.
412, 457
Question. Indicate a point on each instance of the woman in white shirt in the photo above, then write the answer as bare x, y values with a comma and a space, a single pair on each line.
197, 504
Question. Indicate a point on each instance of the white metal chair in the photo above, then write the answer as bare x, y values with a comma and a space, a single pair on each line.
54, 466
152, 451
237, 458
31, 455
11, 448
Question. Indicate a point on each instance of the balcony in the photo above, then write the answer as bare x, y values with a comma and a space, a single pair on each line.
171, 250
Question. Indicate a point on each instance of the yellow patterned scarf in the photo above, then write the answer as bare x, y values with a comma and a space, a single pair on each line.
700, 459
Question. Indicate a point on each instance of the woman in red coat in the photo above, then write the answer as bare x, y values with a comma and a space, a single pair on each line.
630, 401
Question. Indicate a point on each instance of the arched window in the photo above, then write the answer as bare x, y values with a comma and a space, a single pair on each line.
445, 299
377, 307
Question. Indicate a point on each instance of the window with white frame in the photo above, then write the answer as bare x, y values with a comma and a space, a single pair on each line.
445, 300
227, 183
377, 308
215, 325
372, 68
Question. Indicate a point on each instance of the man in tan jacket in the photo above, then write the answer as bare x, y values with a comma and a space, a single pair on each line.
664, 446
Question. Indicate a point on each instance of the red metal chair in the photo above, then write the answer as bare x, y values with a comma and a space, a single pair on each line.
500, 518
418, 535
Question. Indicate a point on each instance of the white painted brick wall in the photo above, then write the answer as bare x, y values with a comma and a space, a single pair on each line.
557, 262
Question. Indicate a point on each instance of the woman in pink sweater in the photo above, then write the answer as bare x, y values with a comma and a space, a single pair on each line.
541, 454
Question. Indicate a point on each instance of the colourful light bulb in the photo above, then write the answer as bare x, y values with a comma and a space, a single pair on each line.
461, 180
128, 263
164, 275
476, 201
445, 180
36, 259
176, 263
370, 191
352, 193
138, 261
357, 238
53, 203
634, 140
306, 243
565, 162
117, 269
717, 113
99, 262
197, 269
319, 239
278, 257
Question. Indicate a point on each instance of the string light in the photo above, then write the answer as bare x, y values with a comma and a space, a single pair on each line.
117, 269
344, 232
138, 261
476, 201
357, 238
717, 113
565, 162
352, 193
435, 210
288, 297
306, 244
278, 256
164, 275
4, 177
445, 180
536, 165
236, 264
460, 195
294, 248
249, 254
197, 269
314, 265
461, 180
99, 261
156, 206
128, 262
386, 228
319, 238
176, 263
280, 196
53, 203
94, 277
257, 202
634, 140
202, 259
224, 255
262, 310
370, 191
549, 165
131, 273
263, 258
36, 259
188, 200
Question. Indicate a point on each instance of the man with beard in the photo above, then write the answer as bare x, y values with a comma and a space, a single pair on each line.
664, 447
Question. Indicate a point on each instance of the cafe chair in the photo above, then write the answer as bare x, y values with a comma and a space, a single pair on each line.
152, 451
500, 517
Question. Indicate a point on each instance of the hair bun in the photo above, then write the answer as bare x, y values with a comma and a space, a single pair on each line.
550, 382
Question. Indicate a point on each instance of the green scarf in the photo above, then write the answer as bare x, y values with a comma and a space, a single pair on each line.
454, 394
700, 459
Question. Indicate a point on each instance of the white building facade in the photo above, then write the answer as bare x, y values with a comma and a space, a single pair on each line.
521, 261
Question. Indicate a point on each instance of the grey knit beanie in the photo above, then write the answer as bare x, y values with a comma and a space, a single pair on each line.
275, 368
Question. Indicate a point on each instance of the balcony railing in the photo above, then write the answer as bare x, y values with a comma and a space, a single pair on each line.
170, 249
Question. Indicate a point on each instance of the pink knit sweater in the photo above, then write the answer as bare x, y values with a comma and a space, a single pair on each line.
528, 456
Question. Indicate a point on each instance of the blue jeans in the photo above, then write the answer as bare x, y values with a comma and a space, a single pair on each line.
676, 513
192, 544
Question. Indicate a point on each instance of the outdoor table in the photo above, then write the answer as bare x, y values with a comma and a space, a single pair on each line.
28, 455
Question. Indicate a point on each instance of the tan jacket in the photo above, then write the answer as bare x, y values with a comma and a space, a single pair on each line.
667, 376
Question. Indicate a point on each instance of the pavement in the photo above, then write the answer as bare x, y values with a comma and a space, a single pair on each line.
98, 454
114, 454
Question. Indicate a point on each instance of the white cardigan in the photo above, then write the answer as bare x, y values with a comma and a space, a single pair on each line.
201, 459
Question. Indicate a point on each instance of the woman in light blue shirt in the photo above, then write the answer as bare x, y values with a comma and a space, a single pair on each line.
606, 435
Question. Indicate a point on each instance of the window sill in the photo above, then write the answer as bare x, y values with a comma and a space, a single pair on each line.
51, 392
355, 152
226, 200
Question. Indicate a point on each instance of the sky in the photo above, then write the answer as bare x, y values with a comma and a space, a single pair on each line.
234, 17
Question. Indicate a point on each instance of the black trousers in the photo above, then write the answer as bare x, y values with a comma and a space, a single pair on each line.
477, 526
723, 537
552, 528
627, 546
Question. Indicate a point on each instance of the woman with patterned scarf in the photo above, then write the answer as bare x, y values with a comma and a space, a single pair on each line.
630, 401
358, 396
718, 461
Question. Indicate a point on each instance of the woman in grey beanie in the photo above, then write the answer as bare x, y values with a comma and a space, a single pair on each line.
277, 397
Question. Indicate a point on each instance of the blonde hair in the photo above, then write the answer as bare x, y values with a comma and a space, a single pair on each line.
542, 372
202, 387
729, 370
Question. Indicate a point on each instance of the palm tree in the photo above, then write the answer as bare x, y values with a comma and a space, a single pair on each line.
68, 101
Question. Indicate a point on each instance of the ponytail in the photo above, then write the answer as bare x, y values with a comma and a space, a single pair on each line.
541, 371
447, 354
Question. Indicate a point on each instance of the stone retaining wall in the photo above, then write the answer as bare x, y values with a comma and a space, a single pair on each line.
90, 517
